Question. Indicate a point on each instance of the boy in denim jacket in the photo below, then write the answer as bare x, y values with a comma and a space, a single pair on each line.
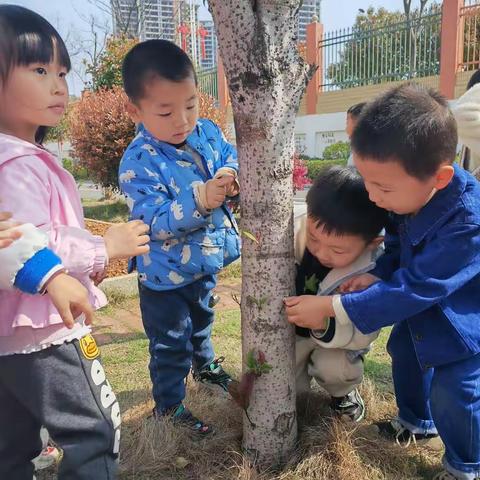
427, 283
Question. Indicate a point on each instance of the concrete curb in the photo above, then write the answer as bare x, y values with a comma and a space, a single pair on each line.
125, 285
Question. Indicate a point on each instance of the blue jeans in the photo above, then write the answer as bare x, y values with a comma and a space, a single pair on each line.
445, 399
178, 324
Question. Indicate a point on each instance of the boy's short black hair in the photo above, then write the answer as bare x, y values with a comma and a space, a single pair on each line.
338, 201
154, 58
356, 110
411, 125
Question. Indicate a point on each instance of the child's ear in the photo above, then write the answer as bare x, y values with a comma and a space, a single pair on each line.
444, 176
133, 112
375, 243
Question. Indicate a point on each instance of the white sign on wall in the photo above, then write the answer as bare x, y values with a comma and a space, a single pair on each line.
324, 139
315, 132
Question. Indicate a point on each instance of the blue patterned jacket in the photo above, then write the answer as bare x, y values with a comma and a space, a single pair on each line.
158, 181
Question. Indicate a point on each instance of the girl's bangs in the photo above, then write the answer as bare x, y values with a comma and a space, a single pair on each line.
41, 47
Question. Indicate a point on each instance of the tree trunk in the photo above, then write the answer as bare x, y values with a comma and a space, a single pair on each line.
267, 78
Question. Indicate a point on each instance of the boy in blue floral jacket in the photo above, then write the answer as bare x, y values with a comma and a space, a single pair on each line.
176, 175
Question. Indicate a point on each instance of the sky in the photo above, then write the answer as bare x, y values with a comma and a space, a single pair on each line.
70, 17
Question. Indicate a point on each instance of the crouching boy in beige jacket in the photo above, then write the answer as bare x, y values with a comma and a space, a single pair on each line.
337, 236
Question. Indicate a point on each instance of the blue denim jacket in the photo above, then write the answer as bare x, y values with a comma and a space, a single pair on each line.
431, 277
158, 181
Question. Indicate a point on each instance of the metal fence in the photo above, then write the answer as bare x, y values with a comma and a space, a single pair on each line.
470, 15
370, 53
208, 83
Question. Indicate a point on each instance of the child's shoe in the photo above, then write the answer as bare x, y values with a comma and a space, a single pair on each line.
49, 456
214, 376
350, 406
394, 430
182, 416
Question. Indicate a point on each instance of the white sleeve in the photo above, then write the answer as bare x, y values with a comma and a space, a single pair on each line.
346, 335
13, 257
466, 111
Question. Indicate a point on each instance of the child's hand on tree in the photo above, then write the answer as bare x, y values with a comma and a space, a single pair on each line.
309, 311
359, 282
8, 234
127, 240
70, 298
216, 190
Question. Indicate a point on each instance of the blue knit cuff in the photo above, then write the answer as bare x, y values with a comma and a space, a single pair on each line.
28, 279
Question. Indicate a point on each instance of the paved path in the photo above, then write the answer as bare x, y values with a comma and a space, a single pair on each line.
125, 321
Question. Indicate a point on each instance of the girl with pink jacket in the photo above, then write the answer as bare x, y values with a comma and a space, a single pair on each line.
50, 374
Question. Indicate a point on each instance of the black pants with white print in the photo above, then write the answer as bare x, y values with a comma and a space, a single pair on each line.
63, 388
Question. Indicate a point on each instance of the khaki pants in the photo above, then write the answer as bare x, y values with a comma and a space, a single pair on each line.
331, 368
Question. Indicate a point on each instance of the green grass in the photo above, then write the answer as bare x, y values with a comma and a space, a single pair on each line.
232, 271
327, 450
378, 365
316, 166
132, 355
126, 364
116, 299
227, 340
106, 210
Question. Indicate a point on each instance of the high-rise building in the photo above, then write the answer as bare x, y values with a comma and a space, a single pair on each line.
308, 10
149, 19
125, 15
207, 44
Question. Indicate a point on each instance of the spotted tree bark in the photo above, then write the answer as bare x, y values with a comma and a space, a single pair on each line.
266, 78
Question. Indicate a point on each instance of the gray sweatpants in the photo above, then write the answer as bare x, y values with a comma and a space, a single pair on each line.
332, 368
65, 389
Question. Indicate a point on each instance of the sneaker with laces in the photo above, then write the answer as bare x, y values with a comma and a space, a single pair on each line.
49, 456
214, 376
182, 416
394, 430
349, 407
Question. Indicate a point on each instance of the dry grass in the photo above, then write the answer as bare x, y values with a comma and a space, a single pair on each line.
328, 449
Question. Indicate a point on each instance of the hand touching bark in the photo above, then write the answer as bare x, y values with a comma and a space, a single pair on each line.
309, 311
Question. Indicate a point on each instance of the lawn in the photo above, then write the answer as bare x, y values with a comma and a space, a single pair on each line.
327, 449
106, 210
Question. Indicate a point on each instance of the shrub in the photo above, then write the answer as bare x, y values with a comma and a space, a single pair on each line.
336, 151
300, 172
106, 72
207, 109
100, 131
316, 166
79, 173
